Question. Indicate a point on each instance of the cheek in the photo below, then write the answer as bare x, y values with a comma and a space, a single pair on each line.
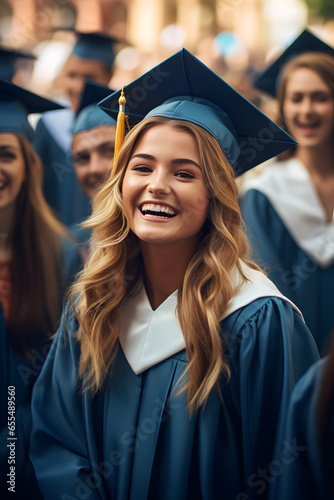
288, 112
127, 193
197, 206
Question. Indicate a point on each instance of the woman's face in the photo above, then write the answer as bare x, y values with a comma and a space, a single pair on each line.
309, 109
164, 193
12, 169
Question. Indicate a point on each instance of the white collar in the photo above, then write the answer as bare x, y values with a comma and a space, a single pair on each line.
148, 337
290, 190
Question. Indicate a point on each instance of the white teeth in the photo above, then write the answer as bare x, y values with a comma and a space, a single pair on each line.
148, 207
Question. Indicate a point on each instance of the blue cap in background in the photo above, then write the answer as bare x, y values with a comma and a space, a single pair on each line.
16, 103
89, 115
183, 88
8, 59
97, 45
305, 42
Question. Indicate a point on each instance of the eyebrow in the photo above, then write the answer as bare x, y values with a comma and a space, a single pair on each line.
176, 161
9, 146
100, 146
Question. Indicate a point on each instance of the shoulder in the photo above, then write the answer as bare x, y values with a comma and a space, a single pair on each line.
306, 390
269, 330
251, 286
65, 340
274, 178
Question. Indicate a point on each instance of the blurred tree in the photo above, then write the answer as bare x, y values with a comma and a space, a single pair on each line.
322, 8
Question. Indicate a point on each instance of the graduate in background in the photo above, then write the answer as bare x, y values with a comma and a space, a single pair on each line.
93, 147
92, 57
171, 373
288, 209
310, 424
37, 264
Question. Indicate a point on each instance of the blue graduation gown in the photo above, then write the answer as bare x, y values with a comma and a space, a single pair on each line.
295, 273
21, 372
135, 439
303, 474
53, 137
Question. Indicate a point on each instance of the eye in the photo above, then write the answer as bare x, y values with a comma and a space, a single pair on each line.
142, 168
185, 175
110, 151
296, 98
80, 159
7, 156
322, 97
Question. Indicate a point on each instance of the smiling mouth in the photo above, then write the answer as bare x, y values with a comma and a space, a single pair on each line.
309, 125
151, 210
3, 185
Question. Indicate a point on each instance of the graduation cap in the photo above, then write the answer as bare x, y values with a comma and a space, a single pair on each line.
8, 59
305, 42
183, 88
94, 45
16, 103
89, 115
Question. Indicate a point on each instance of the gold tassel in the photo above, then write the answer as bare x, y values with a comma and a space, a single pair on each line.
120, 127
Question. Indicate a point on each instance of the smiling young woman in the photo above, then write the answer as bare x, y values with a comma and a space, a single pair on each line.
288, 210
171, 372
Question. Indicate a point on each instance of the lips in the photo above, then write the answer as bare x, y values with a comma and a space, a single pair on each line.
3, 185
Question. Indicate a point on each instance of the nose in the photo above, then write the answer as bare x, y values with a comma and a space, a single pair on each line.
306, 105
159, 182
94, 166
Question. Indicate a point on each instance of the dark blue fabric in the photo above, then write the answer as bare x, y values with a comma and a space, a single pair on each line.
295, 273
135, 439
21, 372
303, 474
61, 187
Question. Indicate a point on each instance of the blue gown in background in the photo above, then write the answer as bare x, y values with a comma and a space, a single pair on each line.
290, 239
304, 476
21, 372
62, 190
135, 439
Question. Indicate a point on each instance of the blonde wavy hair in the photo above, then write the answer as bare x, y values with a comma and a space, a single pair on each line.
115, 270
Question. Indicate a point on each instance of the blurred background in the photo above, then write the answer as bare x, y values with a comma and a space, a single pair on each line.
235, 38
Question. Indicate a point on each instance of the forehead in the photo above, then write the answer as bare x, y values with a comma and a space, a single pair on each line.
90, 139
305, 79
82, 66
7, 139
166, 135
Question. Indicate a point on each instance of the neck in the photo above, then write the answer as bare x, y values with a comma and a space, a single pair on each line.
318, 161
164, 269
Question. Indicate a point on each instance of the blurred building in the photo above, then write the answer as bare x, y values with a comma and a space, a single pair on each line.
231, 36
256, 22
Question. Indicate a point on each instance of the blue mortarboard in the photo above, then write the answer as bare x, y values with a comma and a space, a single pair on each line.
7, 61
89, 115
183, 88
16, 103
93, 45
305, 42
